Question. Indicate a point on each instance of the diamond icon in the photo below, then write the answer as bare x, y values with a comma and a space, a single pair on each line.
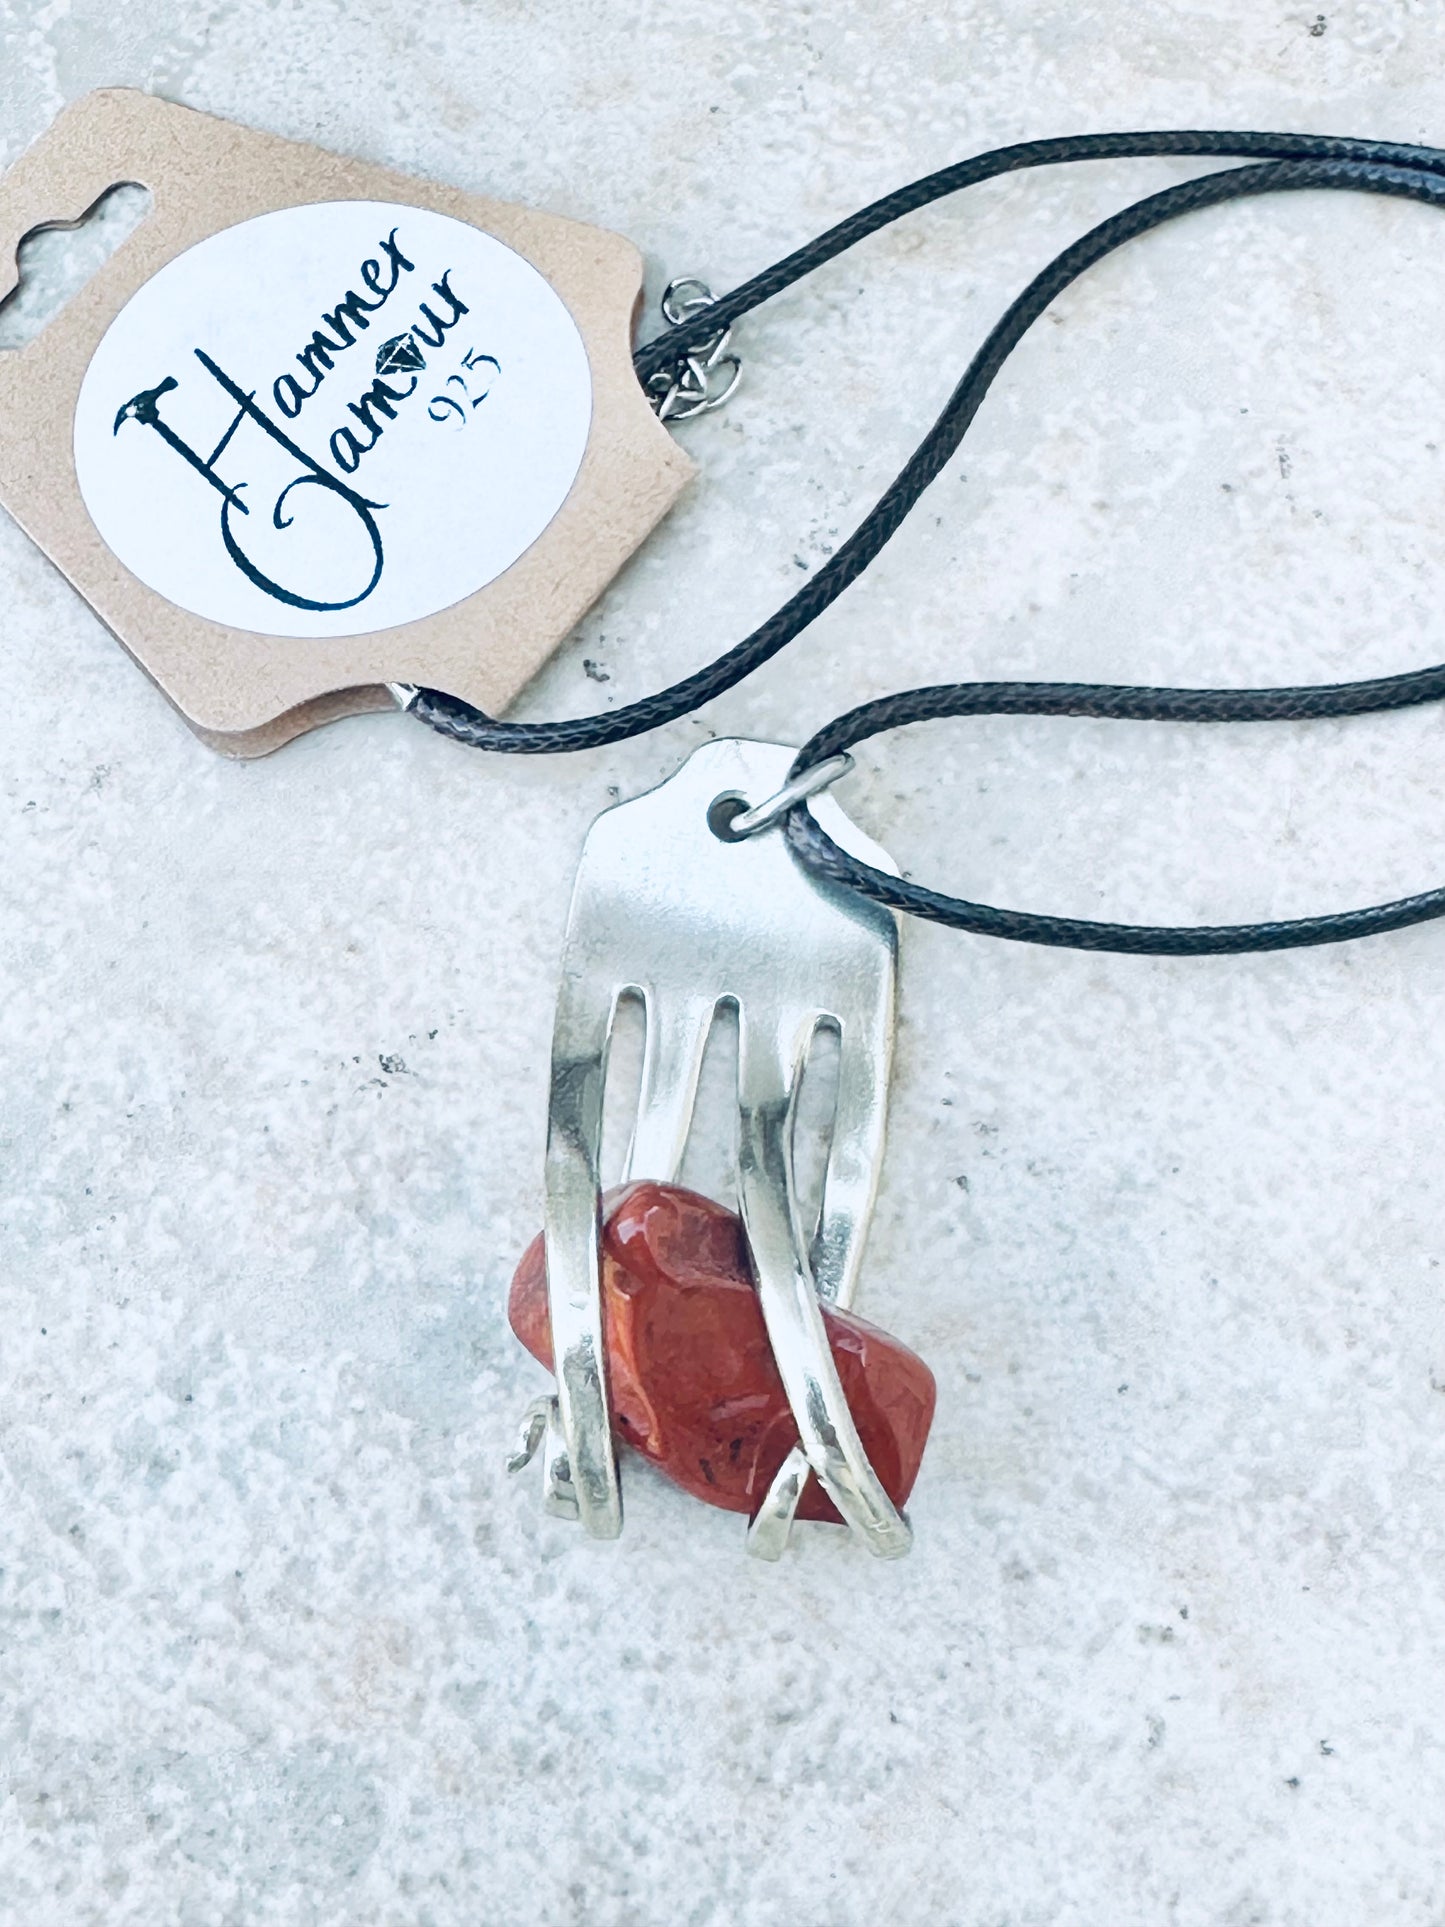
399, 356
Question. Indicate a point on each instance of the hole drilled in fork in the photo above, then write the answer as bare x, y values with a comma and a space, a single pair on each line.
723, 812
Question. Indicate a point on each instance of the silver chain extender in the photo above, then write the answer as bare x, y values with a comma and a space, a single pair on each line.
704, 378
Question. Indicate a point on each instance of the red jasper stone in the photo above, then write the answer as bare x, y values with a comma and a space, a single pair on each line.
690, 1372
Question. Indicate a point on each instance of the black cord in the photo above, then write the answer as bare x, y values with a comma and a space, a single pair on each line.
1280, 162
821, 854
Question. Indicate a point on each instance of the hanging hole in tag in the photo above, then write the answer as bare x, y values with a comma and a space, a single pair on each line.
57, 259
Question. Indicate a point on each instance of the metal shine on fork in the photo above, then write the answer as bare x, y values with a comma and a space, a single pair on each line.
679, 902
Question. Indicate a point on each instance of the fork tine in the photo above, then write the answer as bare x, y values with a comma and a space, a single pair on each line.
768, 1064
585, 1010
677, 1034
770, 1525
849, 1187
860, 1117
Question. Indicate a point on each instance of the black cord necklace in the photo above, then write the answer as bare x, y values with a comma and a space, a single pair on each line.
1278, 162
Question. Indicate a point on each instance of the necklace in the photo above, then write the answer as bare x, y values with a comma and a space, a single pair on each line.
721, 1347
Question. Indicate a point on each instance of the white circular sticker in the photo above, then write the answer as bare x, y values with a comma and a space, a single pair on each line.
333, 419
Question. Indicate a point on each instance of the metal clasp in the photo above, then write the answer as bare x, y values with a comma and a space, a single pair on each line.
706, 376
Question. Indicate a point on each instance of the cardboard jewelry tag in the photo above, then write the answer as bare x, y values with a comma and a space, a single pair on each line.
316, 426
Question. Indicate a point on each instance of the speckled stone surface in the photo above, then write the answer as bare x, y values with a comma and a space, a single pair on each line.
280, 1643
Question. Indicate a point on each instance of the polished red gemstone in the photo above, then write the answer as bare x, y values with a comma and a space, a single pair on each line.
691, 1374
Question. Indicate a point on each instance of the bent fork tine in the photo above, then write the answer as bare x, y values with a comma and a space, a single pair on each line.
573, 1226
855, 1155
768, 1064
850, 1184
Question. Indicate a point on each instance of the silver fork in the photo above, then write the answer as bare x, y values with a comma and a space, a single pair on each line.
672, 906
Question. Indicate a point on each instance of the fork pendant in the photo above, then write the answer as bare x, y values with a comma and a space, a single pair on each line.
747, 1317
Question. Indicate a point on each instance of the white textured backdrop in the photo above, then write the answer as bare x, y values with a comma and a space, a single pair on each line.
282, 1646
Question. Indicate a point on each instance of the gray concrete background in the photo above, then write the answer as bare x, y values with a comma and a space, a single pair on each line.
282, 1644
